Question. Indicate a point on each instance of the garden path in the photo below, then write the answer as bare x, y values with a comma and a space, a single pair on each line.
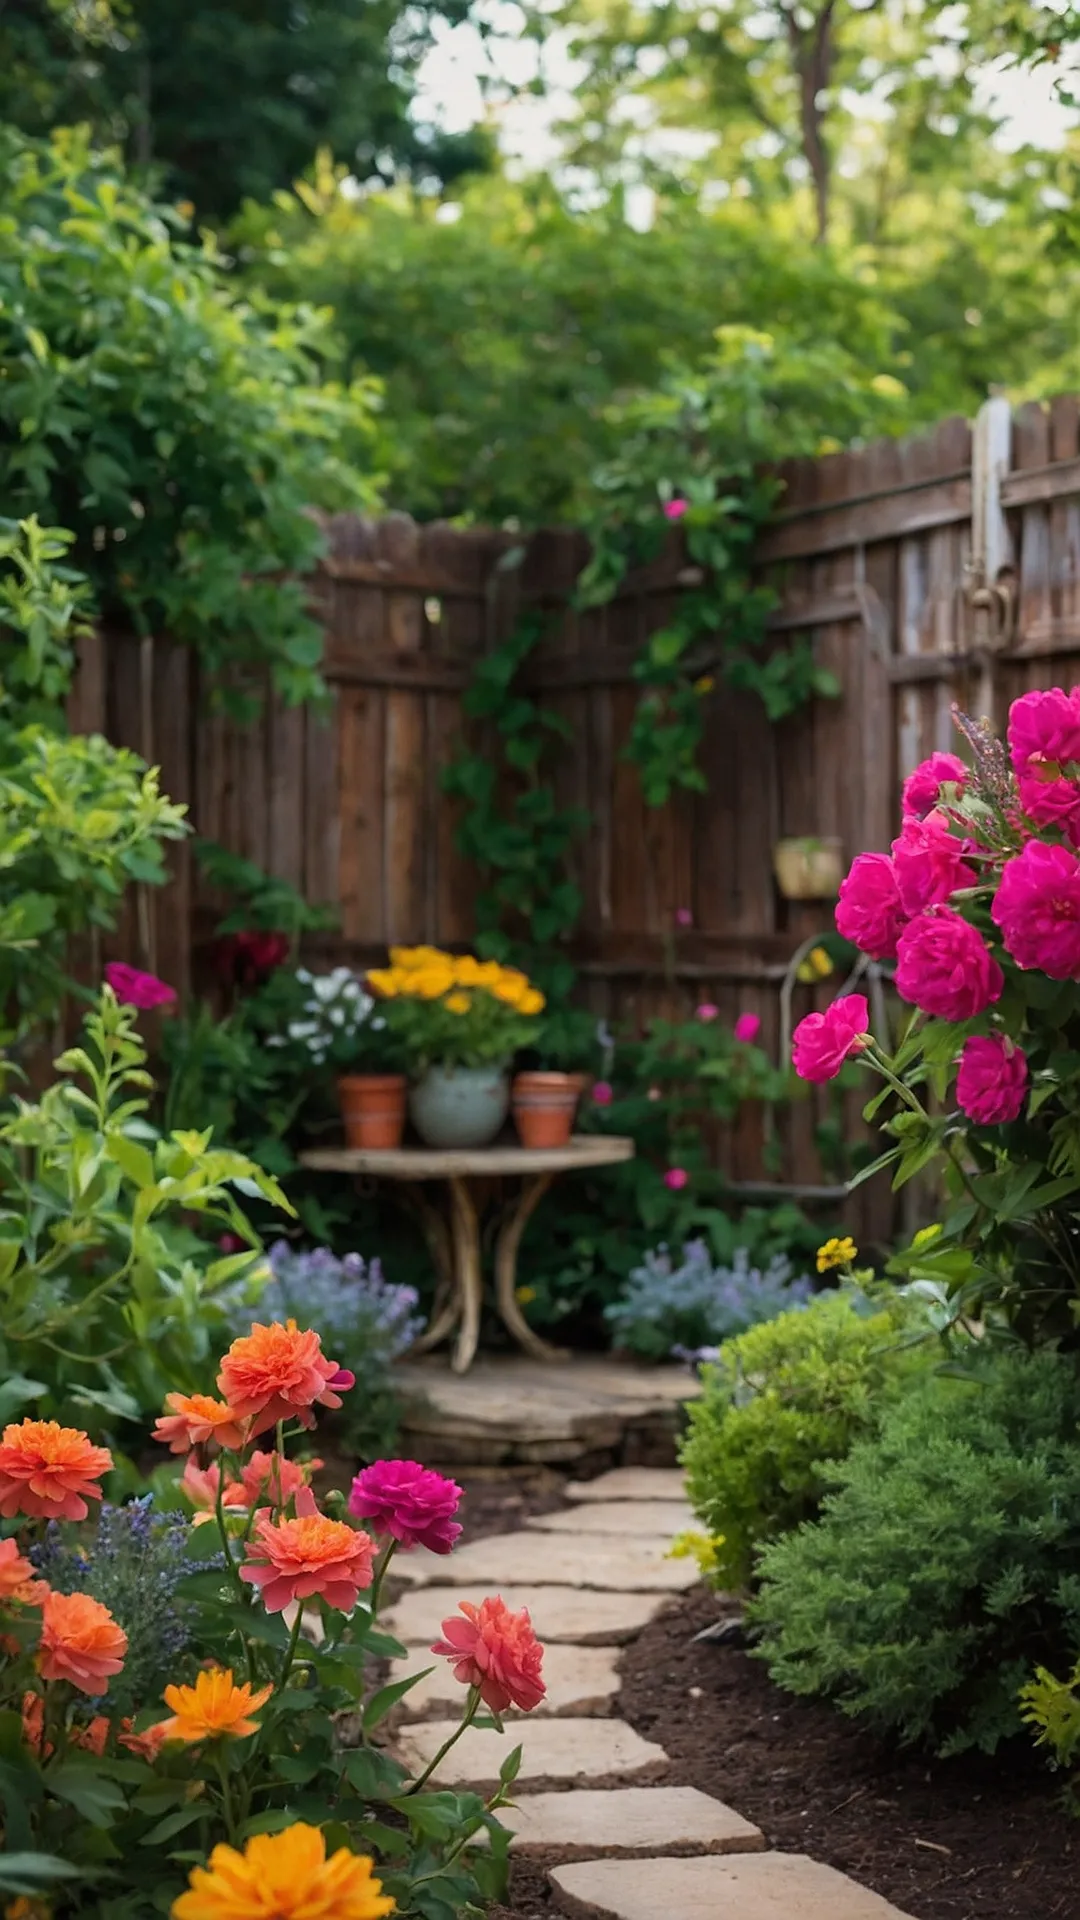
618, 1842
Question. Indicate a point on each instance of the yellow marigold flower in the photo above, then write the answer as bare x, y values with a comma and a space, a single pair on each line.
468, 971
531, 1001
820, 962
488, 974
701, 1547
704, 684
524, 1294
430, 983
836, 1253
213, 1706
385, 981
457, 1002
414, 959
284, 1876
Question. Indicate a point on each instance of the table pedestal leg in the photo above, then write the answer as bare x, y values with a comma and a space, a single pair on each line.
468, 1273
446, 1306
506, 1253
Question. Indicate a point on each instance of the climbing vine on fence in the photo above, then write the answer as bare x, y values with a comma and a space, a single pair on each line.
690, 456
512, 827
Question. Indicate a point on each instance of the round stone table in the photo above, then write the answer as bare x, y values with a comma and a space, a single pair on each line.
454, 1239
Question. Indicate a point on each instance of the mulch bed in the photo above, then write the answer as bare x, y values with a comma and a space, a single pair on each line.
967, 1839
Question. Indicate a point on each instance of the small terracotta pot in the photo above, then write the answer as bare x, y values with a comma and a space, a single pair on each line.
372, 1108
544, 1106
808, 869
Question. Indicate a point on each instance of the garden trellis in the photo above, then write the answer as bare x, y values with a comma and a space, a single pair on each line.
938, 569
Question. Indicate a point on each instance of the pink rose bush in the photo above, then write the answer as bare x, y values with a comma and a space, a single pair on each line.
974, 913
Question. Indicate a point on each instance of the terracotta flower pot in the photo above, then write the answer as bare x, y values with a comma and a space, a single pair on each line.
808, 869
544, 1107
372, 1108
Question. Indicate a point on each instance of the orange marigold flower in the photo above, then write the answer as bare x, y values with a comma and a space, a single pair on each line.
195, 1419
271, 1477
294, 1559
17, 1580
284, 1876
213, 1706
497, 1651
147, 1745
49, 1471
80, 1642
278, 1373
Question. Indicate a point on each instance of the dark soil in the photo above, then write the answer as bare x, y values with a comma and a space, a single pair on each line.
501, 1500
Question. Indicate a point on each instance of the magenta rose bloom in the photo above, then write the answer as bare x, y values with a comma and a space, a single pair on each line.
929, 864
135, 989
1037, 907
992, 1080
409, 1502
676, 1178
706, 1011
1044, 737
944, 966
823, 1041
746, 1028
922, 789
603, 1093
868, 911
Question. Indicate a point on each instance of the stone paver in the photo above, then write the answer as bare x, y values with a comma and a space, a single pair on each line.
631, 1483
630, 1519
534, 1559
626, 1821
576, 1751
582, 1680
513, 1409
762, 1886
560, 1615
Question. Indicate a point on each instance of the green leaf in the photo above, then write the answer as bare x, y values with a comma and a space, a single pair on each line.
28, 1873
381, 1702
91, 1793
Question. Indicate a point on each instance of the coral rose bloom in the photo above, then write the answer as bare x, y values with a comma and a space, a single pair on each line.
49, 1471
271, 1477
17, 1580
311, 1555
284, 1876
213, 1706
80, 1642
496, 1651
195, 1419
278, 1373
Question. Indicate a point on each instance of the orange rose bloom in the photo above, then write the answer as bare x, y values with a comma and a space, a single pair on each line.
33, 1721
213, 1706
277, 1373
17, 1580
270, 1477
284, 1876
80, 1642
147, 1745
49, 1471
200, 1484
195, 1419
497, 1651
294, 1559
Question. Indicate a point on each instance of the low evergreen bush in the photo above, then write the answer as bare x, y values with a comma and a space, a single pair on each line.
784, 1402
946, 1565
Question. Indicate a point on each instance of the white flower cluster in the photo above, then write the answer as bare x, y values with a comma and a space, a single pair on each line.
336, 1008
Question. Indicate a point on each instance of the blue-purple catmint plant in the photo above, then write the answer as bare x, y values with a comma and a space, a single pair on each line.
688, 1306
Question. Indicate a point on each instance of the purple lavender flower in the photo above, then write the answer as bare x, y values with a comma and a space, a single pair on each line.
687, 1309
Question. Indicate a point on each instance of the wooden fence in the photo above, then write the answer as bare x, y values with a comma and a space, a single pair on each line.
939, 568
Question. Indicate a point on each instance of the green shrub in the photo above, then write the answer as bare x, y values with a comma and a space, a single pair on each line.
948, 1562
783, 1404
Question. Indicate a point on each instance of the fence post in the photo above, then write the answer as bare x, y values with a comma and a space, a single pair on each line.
990, 568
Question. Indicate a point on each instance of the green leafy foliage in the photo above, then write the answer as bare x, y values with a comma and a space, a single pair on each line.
783, 1404
226, 102
107, 1297
178, 429
943, 1568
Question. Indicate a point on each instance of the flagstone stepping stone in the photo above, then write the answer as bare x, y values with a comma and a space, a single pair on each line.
577, 1751
631, 1483
634, 1519
627, 1820
534, 1559
578, 1680
560, 1615
752, 1886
